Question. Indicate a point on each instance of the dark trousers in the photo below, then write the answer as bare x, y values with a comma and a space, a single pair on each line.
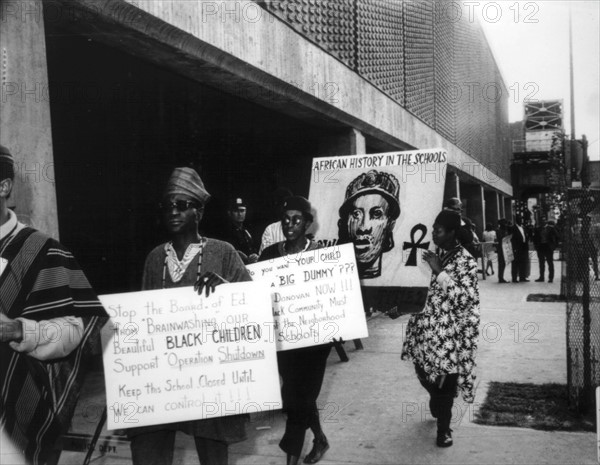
156, 448
545, 255
501, 266
519, 265
442, 398
302, 371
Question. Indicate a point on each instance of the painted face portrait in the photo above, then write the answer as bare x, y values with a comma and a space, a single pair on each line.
368, 226
367, 219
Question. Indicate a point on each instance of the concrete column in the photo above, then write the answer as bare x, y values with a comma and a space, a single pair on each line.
25, 112
501, 206
452, 185
492, 207
508, 213
347, 142
473, 205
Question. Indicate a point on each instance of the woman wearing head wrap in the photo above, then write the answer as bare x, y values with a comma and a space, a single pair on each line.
188, 260
442, 339
302, 370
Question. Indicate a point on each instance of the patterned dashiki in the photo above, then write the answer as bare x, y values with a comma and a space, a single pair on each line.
41, 280
443, 337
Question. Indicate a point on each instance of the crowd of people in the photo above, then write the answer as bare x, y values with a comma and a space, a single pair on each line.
43, 290
544, 238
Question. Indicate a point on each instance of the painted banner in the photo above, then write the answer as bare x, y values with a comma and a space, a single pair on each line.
507, 249
171, 355
384, 204
315, 296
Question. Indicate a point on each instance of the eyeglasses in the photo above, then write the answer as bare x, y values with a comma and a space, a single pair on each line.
294, 220
179, 205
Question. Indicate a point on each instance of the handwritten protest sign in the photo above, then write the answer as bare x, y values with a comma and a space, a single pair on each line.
171, 355
385, 204
507, 249
315, 295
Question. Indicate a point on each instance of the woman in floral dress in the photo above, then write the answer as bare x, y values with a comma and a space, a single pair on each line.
442, 339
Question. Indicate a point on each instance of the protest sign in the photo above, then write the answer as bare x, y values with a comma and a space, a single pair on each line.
384, 204
171, 355
507, 249
315, 295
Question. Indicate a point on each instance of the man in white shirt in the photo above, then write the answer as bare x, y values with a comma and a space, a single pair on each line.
272, 235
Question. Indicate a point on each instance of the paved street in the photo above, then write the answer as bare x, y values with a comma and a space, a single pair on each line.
373, 407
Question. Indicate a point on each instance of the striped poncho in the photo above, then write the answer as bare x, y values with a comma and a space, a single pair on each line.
41, 280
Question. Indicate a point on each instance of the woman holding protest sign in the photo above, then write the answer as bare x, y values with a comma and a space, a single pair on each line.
302, 370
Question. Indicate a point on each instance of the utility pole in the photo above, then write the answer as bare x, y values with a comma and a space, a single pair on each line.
571, 74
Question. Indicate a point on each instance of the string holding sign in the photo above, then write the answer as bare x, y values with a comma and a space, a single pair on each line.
416, 244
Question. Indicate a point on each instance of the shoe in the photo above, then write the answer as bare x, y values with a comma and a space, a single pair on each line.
502, 281
318, 451
524, 280
541, 280
550, 281
444, 439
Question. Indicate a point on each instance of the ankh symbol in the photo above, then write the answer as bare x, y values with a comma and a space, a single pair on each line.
415, 244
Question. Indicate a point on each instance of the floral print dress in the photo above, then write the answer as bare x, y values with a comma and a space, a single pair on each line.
443, 337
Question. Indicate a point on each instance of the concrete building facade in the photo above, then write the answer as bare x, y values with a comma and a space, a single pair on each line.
100, 99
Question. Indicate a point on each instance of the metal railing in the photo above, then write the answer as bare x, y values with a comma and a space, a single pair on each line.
581, 234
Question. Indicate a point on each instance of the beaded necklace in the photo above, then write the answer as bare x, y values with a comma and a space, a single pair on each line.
198, 271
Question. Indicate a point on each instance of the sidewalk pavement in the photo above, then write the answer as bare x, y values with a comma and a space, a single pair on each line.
374, 411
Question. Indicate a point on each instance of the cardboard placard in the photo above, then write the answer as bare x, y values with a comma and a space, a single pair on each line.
171, 355
507, 249
315, 295
384, 204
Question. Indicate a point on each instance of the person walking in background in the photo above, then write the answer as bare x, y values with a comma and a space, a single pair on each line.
189, 260
237, 234
302, 370
545, 240
50, 321
520, 245
501, 233
441, 341
490, 239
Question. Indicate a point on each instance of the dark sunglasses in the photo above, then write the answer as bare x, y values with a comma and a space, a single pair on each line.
179, 205
294, 220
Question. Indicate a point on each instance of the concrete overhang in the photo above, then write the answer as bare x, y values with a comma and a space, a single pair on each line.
256, 56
